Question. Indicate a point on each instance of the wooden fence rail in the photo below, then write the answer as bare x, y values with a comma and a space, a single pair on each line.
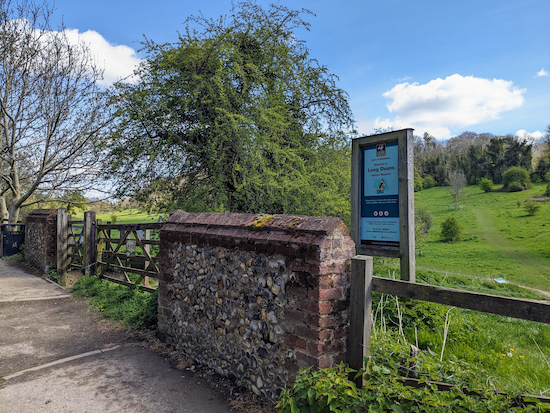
363, 284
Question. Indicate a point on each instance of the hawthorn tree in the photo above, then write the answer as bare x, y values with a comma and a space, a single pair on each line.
50, 109
235, 116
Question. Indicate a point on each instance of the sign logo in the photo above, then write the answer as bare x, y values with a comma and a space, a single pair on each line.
380, 150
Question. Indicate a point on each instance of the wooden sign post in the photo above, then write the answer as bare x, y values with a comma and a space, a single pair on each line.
382, 223
382, 197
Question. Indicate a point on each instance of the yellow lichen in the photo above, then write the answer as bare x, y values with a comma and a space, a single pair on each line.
262, 221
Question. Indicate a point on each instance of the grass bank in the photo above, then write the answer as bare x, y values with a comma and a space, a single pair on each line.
500, 239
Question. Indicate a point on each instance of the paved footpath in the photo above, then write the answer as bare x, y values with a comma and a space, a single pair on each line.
58, 356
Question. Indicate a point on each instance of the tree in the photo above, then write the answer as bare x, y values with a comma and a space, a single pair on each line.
516, 179
50, 111
234, 116
457, 182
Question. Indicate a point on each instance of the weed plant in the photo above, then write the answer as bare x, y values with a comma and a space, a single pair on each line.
137, 309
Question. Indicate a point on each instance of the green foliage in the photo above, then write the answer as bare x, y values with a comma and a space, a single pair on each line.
515, 186
137, 309
451, 230
114, 218
429, 182
330, 390
547, 192
531, 207
516, 179
53, 276
418, 181
486, 184
535, 177
547, 177
235, 116
423, 221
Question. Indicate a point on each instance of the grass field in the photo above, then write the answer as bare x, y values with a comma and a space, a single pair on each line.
128, 216
500, 239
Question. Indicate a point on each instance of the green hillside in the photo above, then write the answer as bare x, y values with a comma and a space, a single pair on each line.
500, 239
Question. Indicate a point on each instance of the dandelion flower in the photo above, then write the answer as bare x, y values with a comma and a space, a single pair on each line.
510, 354
512, 349
521, 357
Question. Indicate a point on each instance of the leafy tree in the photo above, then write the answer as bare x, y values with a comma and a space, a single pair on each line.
50, 109
234, 116
457, 182
516, 179
451, 230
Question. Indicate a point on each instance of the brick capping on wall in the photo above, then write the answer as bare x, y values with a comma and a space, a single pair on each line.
313, 301
41, 238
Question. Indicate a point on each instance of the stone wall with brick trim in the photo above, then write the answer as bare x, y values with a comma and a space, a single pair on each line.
41, 238
256, 297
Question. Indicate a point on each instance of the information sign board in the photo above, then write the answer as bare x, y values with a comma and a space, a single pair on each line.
379, 223
382, 198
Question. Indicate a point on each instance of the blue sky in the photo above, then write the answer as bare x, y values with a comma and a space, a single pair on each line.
437, 66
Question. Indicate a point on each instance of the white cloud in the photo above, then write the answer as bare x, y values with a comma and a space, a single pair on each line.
454, 102
542, 73
529, 136
118, 61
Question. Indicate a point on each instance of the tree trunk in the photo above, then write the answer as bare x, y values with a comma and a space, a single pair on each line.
4, 214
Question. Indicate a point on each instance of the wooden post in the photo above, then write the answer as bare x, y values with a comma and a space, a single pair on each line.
147, 236
360, 312
406, 206
62, 243
89, 242
99, 252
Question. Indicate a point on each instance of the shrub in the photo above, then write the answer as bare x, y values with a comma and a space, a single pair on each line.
486, 184
547, 177
451, 230
518, 176
429, 182
531, 207
114, 218
547, 193
515, 186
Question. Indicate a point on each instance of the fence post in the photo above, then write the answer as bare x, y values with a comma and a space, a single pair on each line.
62, 243
360, 312
89, 242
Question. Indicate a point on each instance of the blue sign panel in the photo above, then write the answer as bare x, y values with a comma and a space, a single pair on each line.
380, 195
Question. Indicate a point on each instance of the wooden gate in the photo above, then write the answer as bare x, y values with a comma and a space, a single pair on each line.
122, 253
127, 254
75, 243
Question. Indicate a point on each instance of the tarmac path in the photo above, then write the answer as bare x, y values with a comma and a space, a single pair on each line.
58, 356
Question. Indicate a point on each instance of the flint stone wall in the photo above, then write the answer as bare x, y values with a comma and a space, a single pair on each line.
40, 238
256, 297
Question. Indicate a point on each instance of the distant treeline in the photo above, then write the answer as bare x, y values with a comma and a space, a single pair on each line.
478, 156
